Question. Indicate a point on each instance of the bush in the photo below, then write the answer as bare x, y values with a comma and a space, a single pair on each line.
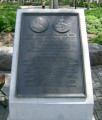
93, 21
32, 3
7, 21
93, 24
84, 4
71, 3
64, 3
10, 7
10, 3
94, 12
7, 18
80, 4
97, 39
27, 3
95, 5
47, 2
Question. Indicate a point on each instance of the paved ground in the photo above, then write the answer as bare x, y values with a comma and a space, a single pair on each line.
97, 85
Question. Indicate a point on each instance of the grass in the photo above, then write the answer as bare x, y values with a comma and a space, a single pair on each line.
97, 39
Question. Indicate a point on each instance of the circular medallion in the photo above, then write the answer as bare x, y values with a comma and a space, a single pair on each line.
39, 24
62, 25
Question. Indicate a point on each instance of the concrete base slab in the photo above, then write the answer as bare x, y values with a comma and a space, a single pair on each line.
92, 118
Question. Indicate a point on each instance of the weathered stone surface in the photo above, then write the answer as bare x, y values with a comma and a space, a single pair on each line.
5, 58
95, 54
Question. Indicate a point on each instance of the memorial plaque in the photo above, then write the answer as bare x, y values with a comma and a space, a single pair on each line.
50, 62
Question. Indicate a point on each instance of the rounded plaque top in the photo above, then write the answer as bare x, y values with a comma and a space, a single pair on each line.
62, 25
39, 24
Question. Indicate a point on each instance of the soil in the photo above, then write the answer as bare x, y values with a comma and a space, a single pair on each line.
6, 39
89, 36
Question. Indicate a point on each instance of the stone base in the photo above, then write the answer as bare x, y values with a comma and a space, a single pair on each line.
92, 118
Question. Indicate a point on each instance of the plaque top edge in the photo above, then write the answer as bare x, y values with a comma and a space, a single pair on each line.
50, 11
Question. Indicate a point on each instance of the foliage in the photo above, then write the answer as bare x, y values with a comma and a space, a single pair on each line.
7, 21
93, 24
47, 2
95, 12
9, 3
97, 39
7, 18
80, 4
32, 3
95, 5
71, 4
84, 4
10, 7
93, 21
35, 3
28, 3
65, 2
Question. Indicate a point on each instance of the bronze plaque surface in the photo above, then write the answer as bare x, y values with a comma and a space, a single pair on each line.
50, 56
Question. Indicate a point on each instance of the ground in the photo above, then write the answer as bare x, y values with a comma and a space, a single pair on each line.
6, 39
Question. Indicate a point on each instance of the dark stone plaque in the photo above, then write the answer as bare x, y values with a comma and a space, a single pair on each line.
50, 56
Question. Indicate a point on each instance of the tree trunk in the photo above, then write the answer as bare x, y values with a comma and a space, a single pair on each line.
99, 3
88, 6
73, 3
41, 2
55, 4
51, 4
23, 2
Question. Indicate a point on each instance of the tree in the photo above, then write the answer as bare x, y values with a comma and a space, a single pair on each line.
99, 3
50, 4
73, 3
41, 1
53, 4
88, 6
22, 1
